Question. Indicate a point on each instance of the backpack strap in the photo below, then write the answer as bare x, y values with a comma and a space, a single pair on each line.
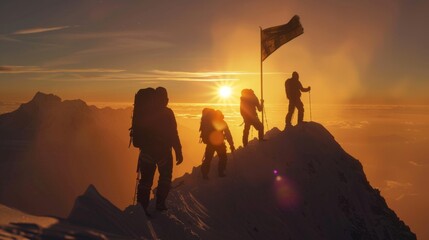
131, 136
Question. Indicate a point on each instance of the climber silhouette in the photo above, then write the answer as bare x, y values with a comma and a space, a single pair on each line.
214, 130
248, 105
293, 88
157, 152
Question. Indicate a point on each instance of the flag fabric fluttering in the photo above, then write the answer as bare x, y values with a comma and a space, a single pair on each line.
274, 37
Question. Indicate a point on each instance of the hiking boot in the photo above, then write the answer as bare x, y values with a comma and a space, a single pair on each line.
146, 212
288, 126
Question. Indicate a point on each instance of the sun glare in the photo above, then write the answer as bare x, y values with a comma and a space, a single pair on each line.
225, 92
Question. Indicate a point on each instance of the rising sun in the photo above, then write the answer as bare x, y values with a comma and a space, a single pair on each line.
225, 92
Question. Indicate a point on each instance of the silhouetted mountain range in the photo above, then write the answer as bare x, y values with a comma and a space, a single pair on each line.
51, 150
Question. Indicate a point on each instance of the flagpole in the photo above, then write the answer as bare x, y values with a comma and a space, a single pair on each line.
262, 78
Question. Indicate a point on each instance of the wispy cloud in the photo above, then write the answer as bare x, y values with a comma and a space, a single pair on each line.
9, 39
125, 77
182, 79
39, 30
35, 69
83, 36
164, 75
107, 74
208, 74
400, 190
416, 164
90, 47
390, 184
347, 124
158, 76
400, 197
200, 74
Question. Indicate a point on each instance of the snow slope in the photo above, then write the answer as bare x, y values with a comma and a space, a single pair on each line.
15, 225
300, 184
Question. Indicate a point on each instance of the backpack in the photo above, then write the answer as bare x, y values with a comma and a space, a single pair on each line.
247, 93
141, 131
292, 89
206, 125
247, 105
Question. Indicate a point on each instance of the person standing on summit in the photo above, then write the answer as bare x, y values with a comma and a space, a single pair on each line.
249, 103
293, 88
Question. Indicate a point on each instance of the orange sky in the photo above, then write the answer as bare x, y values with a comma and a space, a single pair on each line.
354, 51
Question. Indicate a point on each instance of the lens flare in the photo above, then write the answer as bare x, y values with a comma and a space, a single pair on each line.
286, 194
225, 91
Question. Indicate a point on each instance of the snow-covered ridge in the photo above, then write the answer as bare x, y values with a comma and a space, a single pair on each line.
300, 184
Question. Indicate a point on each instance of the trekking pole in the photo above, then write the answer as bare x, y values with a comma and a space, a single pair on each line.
266, 118
137, 182
309, 99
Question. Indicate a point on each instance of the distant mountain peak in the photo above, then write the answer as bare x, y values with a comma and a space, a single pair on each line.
47, 101
45, 98
76, 103
45, 111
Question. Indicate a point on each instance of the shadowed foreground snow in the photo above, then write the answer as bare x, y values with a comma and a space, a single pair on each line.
300, 184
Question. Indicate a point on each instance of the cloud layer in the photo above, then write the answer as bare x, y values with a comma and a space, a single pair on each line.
39, 30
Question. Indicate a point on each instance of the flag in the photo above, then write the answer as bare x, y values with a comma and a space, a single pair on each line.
274, 37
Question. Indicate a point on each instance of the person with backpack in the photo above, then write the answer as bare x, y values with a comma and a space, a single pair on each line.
293, 88
155, 134
214, 130
249, 103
